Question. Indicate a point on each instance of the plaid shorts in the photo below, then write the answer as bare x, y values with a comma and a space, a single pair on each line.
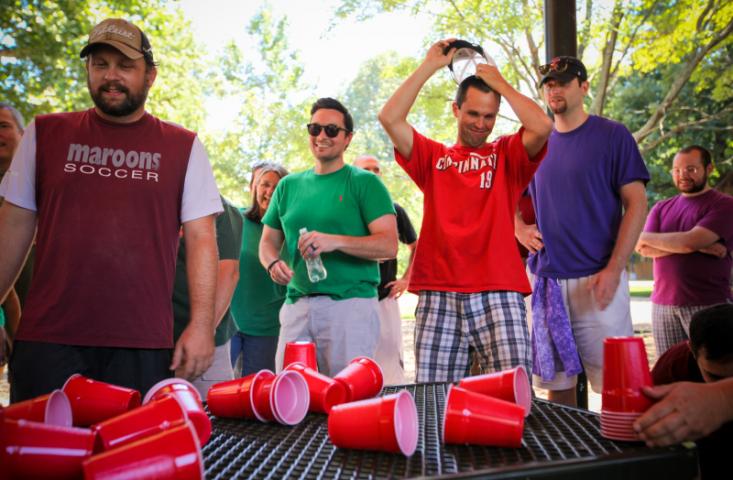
448, 323
671, 324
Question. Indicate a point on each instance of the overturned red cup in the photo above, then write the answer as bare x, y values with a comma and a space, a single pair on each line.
170, 385
283, 397
30, 449
301, 352
387, 423
510, 385
53, 408
477, 419
154, 417
325, 392
625, 372
233, 398
93, 401
362, 377
172, 454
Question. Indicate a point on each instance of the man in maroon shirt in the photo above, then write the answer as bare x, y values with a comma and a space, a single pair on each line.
683, 407
107, 190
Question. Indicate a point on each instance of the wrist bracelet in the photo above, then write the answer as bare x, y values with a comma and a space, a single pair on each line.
269, 267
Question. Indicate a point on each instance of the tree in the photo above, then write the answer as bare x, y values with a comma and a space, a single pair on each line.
274, 103
685, 46
40, 68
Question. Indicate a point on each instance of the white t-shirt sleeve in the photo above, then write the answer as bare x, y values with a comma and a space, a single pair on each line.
19, 183
200, 193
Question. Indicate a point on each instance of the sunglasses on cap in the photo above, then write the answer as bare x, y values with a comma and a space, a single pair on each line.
558, 65
314, 129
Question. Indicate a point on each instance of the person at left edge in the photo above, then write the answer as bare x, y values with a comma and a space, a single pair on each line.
108, 189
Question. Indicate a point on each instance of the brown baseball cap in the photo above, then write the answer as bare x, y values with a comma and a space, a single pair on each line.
122, 35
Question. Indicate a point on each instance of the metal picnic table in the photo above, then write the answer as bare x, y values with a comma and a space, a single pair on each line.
558, 442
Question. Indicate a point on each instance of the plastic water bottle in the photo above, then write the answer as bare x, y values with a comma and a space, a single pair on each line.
314, 265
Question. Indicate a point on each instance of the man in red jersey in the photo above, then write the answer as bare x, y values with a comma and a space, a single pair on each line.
467, 270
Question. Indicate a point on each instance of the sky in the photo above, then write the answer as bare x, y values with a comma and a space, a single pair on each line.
331, 57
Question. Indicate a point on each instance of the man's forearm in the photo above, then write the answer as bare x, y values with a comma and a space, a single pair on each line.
201, 264
376, 246
408, 270
226, 281
632, 223
530, 115
651, 252
674, 242
17, 228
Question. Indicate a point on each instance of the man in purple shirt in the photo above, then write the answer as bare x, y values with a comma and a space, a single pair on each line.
590, 202
689, 237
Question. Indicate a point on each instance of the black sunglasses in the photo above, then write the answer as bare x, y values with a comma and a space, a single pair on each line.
314, 129
558, 65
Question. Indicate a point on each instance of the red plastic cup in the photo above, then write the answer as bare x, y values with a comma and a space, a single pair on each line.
53, 408
362, 377
387, 423
38, 450
154, 417
283, 397
190, 400
473, 418
302, 352
325, 392
625, 372
93, 401
170, 385
172, 454
234, 398
510, 385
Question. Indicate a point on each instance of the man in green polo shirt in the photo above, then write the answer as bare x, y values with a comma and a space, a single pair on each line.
350, 222
228, 240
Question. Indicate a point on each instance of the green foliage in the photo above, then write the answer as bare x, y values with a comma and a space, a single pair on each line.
667, 73
40, 68
271, 121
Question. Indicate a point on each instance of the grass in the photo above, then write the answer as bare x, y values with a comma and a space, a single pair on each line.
641, 288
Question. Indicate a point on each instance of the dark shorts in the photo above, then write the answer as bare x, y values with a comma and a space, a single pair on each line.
38, 368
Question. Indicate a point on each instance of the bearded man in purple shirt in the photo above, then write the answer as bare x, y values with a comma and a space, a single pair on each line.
590, 202
689, 236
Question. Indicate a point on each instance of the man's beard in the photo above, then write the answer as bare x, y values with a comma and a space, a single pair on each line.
696, 186
130, 104
560, 107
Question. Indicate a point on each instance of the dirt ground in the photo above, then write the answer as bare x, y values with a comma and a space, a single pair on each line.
642, 326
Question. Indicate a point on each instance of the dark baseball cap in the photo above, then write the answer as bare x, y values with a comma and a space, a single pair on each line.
563, 69
122, 35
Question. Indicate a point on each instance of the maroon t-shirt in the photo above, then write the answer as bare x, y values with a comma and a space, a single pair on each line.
693, 278
109, 199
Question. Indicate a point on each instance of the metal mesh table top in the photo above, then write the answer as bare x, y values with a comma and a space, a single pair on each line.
558, 442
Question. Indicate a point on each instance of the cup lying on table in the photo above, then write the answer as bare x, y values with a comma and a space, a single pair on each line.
509, 385
474, 418
362, 377
31, 449
190, 400
53, 408
93, 401
172, 454
387, 423
154, 417
283, 397
325, 392
235, 398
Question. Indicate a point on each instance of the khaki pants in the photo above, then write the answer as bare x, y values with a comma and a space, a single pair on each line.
341, 329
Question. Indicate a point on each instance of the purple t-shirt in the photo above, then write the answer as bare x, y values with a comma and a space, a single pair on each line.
693, 278
576, 196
